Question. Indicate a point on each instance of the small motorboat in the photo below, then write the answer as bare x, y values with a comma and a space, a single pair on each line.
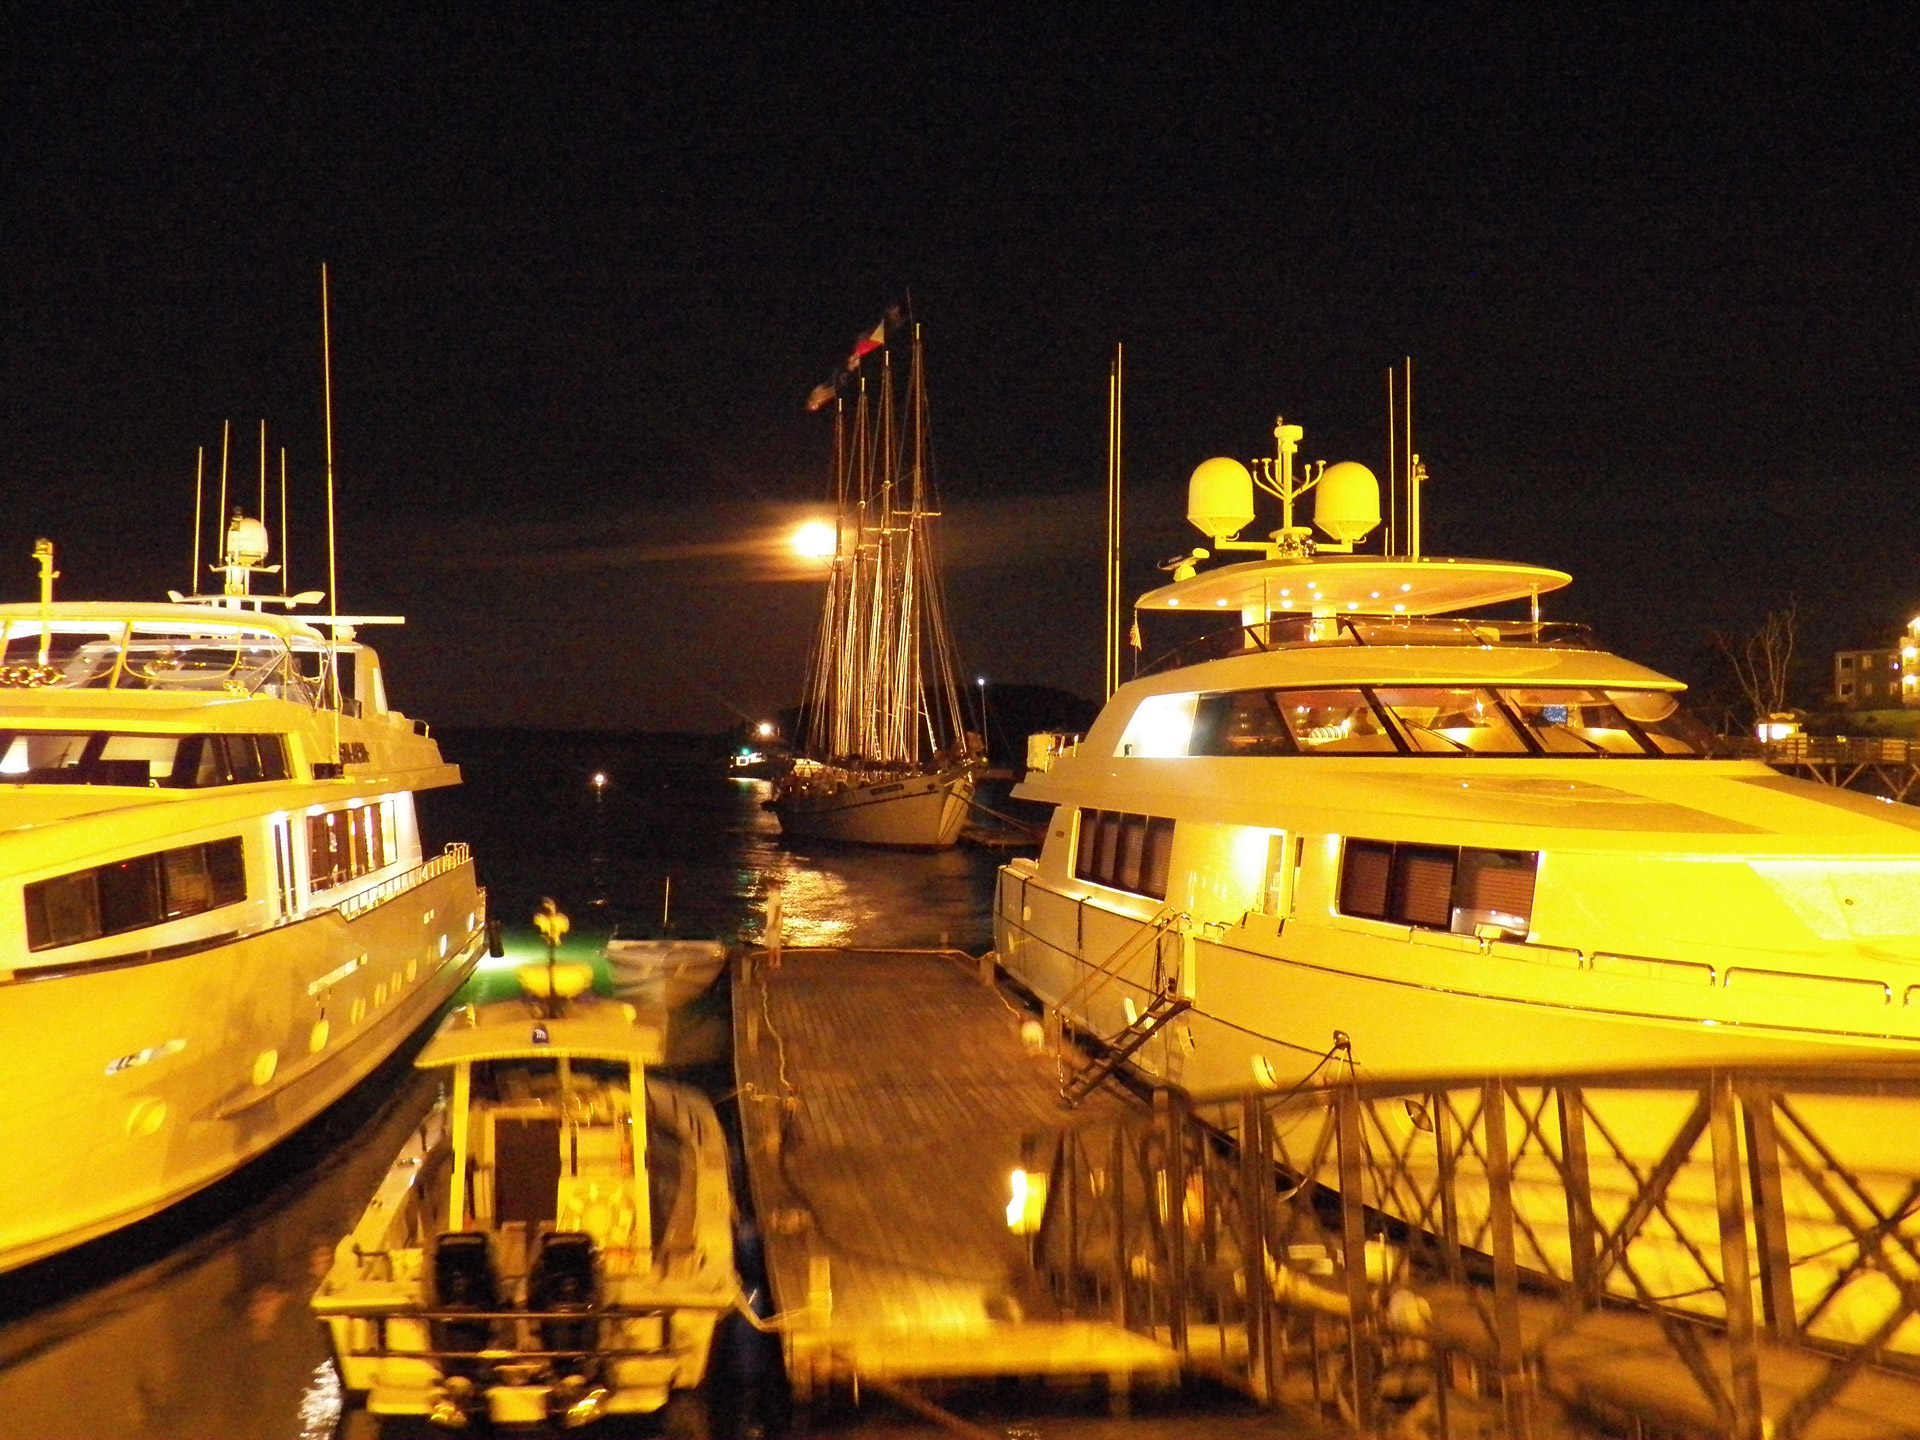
555, 1242
667, 973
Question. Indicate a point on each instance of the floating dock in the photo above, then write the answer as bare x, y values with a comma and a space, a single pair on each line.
884, 1096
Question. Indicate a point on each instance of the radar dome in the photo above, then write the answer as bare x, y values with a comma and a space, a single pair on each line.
1347, 502
246, 541
1220, 497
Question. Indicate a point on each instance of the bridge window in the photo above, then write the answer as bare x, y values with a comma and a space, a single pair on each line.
1334, 722
91, 757
1241, 722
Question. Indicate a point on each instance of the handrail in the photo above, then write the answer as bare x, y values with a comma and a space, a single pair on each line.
1710, 1250
1109, 969
453, 857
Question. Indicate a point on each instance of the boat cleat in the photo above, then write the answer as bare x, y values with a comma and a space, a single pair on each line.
575, 1403
447, 1405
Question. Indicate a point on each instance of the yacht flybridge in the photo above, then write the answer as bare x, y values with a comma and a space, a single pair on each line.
215, 914
1351, 816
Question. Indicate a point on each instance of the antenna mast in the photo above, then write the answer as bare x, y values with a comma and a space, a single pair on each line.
1116, 593
333, 583
1393, 472
1416, 472
199, 481
220, 516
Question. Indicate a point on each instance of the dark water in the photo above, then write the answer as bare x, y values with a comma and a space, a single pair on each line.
195, 1324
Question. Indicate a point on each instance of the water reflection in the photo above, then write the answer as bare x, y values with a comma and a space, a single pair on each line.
196, 1324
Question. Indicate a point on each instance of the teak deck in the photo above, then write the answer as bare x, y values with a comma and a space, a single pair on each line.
884, 1095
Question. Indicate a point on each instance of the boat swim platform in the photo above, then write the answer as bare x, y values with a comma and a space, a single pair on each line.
884, 1095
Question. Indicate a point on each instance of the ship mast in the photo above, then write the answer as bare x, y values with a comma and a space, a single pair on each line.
883, 687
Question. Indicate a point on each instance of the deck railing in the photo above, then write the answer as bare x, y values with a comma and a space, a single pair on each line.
360, 902
1725, 1252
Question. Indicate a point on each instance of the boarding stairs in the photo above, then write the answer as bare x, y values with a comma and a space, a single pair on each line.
1120, 1048
1077, 1081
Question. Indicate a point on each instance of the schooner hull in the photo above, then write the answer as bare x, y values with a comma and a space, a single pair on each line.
152, 1081
914, 812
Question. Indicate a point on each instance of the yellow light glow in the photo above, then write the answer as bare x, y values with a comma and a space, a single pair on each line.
815, 540
1027, 1202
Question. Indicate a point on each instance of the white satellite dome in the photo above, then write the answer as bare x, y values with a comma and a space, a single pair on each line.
1347, 501
1220, 497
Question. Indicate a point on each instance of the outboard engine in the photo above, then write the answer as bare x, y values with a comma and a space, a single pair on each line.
563, 1279
463, 1279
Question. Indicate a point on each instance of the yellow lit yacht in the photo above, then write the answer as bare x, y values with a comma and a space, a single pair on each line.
215, 915
1465, 846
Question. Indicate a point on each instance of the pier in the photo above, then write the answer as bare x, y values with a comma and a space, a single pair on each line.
1448, 1258
884, 1098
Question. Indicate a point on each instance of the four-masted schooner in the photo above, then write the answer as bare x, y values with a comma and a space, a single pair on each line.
885, 757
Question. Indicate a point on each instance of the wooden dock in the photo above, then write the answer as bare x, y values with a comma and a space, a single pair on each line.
884, 1096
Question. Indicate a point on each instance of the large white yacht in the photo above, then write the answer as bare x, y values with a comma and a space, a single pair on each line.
1354, 815
215, 916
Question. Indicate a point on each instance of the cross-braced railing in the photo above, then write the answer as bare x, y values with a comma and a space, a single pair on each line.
1727, 1252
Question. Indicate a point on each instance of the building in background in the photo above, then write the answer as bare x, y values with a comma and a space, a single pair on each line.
1884, 678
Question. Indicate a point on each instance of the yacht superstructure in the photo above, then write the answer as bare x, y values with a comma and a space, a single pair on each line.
1357, 819
215, 912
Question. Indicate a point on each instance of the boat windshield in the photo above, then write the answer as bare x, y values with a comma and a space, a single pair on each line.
115, 655
1284, 632
1558, 721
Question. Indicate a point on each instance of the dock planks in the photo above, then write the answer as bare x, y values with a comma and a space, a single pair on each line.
884, 1095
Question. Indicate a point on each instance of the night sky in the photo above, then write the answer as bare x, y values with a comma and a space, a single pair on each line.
1657, 272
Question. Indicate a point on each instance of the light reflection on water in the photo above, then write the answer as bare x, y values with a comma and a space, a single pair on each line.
201, 1328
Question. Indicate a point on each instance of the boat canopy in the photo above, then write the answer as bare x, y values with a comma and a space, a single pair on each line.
1356, 584
90, 646
601, 1030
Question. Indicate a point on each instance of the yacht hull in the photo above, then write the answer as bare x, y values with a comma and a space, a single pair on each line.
1268, 1000
130, 1087
914, 812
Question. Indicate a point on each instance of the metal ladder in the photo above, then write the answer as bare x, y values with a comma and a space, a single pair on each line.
1121, 1047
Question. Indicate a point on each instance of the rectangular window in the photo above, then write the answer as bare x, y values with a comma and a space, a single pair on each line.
1334, 722
345, 844
1125, 852
1363, 880
135, 893
1439, 887
1158, 859
1422, 891
1241, 722
1444, 721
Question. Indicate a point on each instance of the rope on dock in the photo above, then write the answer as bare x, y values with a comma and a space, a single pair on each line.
910, 1399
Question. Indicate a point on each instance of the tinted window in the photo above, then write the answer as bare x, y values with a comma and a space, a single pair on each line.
132, 894
1242, 722
1439, 887
1334, 722
1125, 852
1451, 721
96, 758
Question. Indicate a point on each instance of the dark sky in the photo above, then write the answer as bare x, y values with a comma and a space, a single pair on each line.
1657, 272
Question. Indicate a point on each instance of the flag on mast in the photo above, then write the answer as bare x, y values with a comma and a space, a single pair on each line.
821, 396
867, 344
